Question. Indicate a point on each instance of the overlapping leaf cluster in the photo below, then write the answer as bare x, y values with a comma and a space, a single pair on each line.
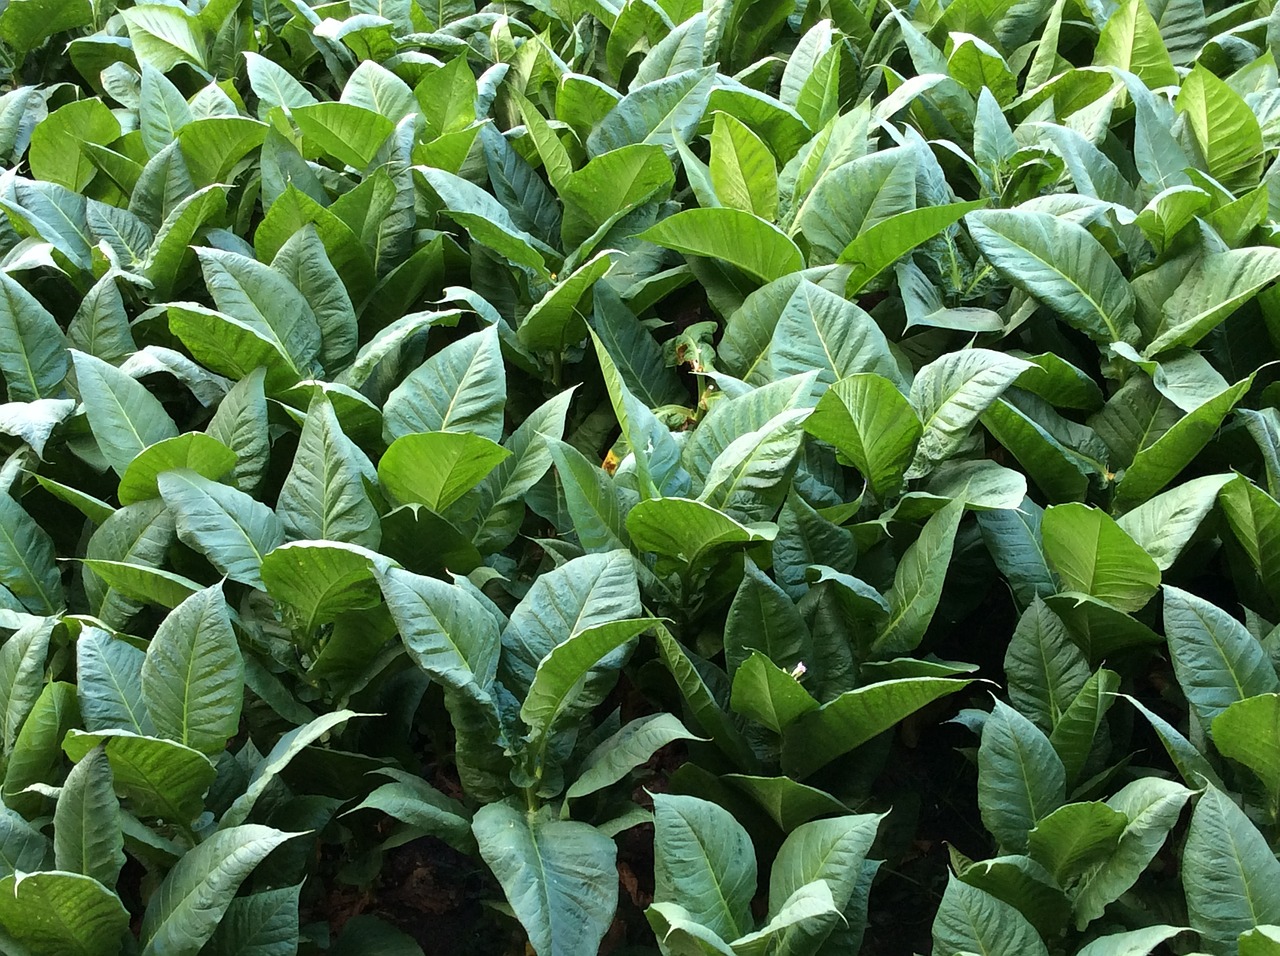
419, 415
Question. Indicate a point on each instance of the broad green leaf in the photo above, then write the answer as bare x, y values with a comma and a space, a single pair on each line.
289, 746
763, 618
743, 171
194, 451
807, 917
880, 245
560, 676
349, 133
616, 756
1092, 554
1225, 128
1044, 668
1248, 732
318, 580
972, 921
1131, 40
22, 665
766, 693
323, 496
193, 675
1215, 286
1021, 779
56, 913
25, 24
654, 113
917, 583
34, 758
1074, 734
33, 357
228, 527
1232, 891
1158, 463
950, 394
27, 562
558, 876
184, 911
870, 423
1074, 837
739, 238
1216, 660
125, 417
240, 423
161, 778
1164, 525
448, 632
689, 530
461, 388
746, 480
1151, 806
87, 835
703, 859
855, 717
109, 683
820, 330
592, 499
1060, 264
260, 924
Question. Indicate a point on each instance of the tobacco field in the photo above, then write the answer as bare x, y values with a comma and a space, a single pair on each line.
634, 477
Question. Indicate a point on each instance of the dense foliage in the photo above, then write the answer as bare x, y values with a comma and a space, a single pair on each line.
733, 477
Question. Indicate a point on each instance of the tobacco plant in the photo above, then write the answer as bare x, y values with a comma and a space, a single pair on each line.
643, 461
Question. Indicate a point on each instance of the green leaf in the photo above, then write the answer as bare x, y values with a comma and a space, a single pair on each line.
1155, 465
1075, 836
55, 913
305, 263
323, 496
1165, 525
461, 388
689, 530
1044, 668
1215, 286
820, 330
35, 758
868, 421
26, 24
1074, 734
763, 618
855, 717
437, 468
558, 876
320, 580
631, 747
1131, 41
22, 664
917, 583
231, 529
261, 924
746, 480
125, 417
240, 423
743, 171
27, 563
879, 246
1225, 128
654, 113
950, 394
451, 635
193, 675
556, 320
766, 693
1248, 732
87, 836
1216, 660
703, 859
109, 683
1151, 806
972, 921
1229, 874
1093, 555
349, 133
268, 771
194, 451
1021, 779
184, 911
161, 778
739, 238
413, 801
1060, 264
33, 357
592, 499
